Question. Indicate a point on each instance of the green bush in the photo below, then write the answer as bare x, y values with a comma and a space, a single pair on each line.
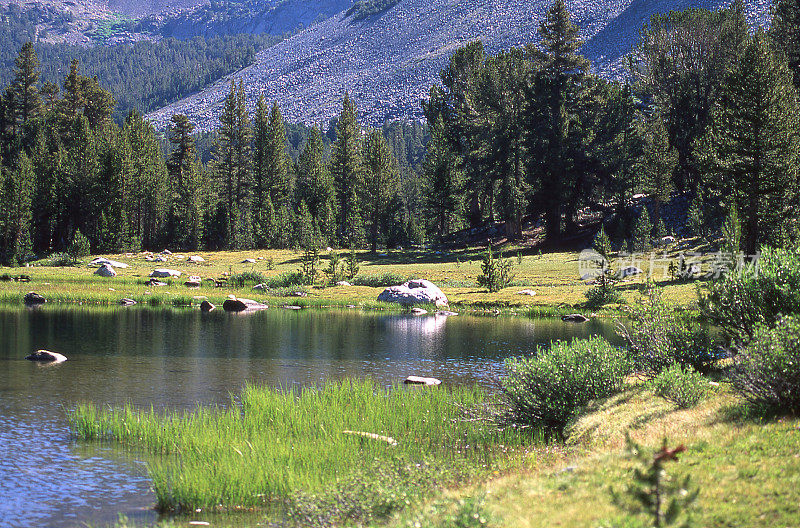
79, 247
602, 295
496, 272
547, 390
246, 278
741, 302
767, 373
380, 281
682, 386
59, 260
658, 337
287, 279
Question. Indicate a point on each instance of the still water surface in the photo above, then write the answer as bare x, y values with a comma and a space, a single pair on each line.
179, 359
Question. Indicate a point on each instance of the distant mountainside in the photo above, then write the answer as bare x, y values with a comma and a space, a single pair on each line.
388, 60
275, 17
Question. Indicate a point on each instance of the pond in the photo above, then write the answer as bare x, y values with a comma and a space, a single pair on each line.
183, 358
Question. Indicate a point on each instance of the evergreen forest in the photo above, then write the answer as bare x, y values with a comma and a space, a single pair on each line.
527, 136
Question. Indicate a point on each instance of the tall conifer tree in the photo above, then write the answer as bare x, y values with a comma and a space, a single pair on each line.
751, 149
346, 169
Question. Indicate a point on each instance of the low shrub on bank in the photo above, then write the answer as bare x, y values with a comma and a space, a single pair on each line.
276, 446
600, 296
759, 295
381, 281
767, 372
658, 337
682, 386
246, 278
548, 389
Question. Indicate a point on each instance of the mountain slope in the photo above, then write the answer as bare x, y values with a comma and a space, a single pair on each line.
388, 61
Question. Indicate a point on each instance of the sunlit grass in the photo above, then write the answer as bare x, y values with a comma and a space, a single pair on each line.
553, 276
748, 472
275, 444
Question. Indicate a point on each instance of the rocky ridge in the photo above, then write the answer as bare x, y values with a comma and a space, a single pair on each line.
388, 62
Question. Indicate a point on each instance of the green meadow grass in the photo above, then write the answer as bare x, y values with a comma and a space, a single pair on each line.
273, 446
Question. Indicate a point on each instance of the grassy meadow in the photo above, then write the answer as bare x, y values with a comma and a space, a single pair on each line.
554, 277
747, 470
446, 472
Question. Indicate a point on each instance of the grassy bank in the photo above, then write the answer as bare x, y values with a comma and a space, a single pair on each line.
747, 471
554, 277
351, 442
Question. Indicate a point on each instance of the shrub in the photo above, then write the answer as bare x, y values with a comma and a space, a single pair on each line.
287, 279
79, 247
381, 281
602, 295
682, 386
60, 260
336, 268
741, 302
548, 389
246, 278
657, 337
496, 272
767, 373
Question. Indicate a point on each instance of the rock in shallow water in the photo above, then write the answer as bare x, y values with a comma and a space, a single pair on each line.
574, 318
33, 298
240, 305
419, 380
46, 356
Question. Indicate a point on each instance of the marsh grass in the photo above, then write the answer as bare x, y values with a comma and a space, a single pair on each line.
274, 445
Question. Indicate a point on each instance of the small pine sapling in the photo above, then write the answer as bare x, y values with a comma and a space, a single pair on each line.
653, 493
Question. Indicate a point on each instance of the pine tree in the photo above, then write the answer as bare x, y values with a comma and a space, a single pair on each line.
657, 164
751, 149
185, 211
232, 168
26, 92
560, 84
244, 181
785, 34
260, 188
381, 185
45, 201
150, 193
642, 231
346, 169
18, 191
443, 182
315, 186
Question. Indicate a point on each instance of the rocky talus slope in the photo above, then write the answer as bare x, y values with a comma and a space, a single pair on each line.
388, 62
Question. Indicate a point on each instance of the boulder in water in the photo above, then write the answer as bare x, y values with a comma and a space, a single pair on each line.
45, 356
33, 298
414, 292
238, 304
574, 318
419, 380
206, 306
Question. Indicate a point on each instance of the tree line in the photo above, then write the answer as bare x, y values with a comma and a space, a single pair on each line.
524, 135
709, 110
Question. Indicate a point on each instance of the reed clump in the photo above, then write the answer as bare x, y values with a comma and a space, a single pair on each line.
279, 447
